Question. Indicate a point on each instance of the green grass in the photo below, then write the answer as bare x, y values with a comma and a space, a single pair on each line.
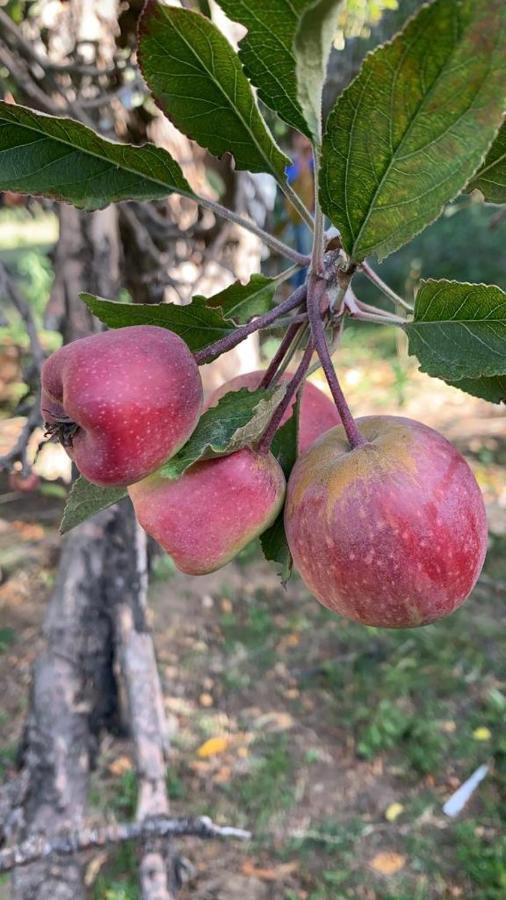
117, 881
120, 797
267, 788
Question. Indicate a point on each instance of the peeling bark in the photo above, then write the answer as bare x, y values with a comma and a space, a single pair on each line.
126, 581
72, 694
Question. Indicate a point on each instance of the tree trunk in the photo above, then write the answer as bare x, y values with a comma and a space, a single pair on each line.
72, 693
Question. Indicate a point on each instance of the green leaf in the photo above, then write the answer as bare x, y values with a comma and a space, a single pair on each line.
313, 42
240, 302
62, 159
198, 81
459, 330
285, 443
273, 541
268, 54
237, 421
492, 388
409, 132
86, 499
196, 323
276, 550
490, 179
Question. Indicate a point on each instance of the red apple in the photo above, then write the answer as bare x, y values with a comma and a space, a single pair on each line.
392, 533
205, 517
122, 402
317, 411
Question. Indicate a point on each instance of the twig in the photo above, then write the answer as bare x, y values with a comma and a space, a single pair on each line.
42, 61
207, 354
18, 453
384, 287
316, 293
319, 225
297, 203
25, 82
69, 843
9, 287
268, 239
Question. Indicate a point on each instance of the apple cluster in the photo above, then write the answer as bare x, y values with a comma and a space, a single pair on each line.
391, 533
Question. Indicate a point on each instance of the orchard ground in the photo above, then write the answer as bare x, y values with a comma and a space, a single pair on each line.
337, 745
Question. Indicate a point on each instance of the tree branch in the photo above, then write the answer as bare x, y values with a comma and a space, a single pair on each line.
68, 843
7, 23
268, 239
9, 287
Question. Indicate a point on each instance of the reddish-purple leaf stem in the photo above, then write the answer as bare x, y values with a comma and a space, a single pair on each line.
315, 295
292, 388
277, 359
207, 354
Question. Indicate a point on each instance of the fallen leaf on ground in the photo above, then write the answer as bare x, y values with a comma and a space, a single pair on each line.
393, 811
214, 746
482, 734
276, 873
120, 765
388, 863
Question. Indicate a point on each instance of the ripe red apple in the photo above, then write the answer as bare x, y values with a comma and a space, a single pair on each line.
317, 411
122, 402
392, 533
205, 517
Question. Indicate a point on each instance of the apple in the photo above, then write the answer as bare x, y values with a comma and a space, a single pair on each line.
205, 517
317, 411
392, 533
122, 401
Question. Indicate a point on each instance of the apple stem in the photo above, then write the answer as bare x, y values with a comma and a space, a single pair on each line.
207, 354
294, 346
291, 390
277, 359
316, 292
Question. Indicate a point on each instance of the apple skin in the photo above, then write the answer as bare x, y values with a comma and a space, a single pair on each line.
391, 534
122, 401
318, 412
205, 517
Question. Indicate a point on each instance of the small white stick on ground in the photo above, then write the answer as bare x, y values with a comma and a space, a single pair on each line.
455, 804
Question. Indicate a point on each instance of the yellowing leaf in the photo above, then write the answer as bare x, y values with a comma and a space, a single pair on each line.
214, 746
482, 734
393, 811
276, 873
388, 863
